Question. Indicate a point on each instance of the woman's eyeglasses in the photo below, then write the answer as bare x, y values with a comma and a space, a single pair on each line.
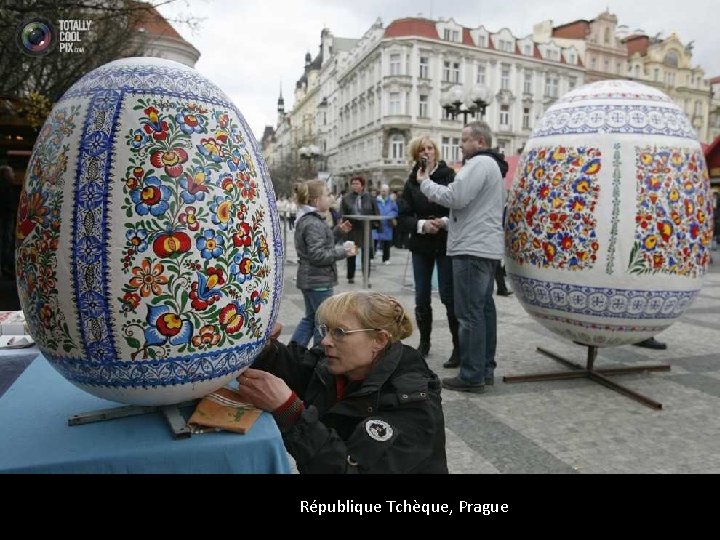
339, 333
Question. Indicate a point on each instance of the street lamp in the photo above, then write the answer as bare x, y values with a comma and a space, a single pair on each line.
310, 154
456, 102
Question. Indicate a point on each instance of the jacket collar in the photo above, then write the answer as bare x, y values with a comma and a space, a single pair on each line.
377, 377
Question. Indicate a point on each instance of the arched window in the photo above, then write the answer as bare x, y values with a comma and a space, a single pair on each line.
671, 59
397, 147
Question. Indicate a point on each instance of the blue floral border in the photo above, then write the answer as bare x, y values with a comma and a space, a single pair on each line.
596, 301
154, 373
616, 209
557, 121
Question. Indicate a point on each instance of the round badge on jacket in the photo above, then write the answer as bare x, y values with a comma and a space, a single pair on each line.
379, 430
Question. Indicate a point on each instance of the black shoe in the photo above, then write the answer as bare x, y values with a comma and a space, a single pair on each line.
453, 361
454, 383
504, 293
351, 281
652, 343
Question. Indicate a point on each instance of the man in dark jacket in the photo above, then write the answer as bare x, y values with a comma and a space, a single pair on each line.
358, 202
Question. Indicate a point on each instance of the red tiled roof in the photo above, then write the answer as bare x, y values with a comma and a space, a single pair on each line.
715, 80
572, 30
153, 23
412, 27
467, 39
637, 44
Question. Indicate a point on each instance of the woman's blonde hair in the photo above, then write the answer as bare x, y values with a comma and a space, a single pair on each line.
309, 191
372, 309
415, 147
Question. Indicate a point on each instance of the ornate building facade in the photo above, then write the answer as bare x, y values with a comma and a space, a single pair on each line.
371, 97
602, 50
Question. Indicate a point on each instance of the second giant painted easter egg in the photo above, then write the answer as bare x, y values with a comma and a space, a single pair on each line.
609, 219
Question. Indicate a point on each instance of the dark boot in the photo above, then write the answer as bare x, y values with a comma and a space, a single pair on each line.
500, 274
454, 325
424, 323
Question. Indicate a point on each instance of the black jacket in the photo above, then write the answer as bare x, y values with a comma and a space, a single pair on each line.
413, 205
391, 422
369, 208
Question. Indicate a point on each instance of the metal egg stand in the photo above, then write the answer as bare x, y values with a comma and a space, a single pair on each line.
590, 372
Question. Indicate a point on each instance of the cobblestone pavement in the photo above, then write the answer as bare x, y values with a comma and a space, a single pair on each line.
574, 426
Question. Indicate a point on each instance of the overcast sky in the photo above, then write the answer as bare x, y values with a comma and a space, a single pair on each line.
250, 47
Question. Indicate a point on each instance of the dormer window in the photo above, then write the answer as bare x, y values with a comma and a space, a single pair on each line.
505, 45
451, 35
527, 49
482, 41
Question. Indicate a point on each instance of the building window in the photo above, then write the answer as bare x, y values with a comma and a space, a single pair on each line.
593, 62
698, 108
526, 118
528, 81
670, 79
424, 67
394, 103
656, 74
551, 85
394, 64
506, 46
502, 144
607, 65
450, 149
451, 72
397, 147
480, 79
671, 59
504, 115
607, 35
423, 106
572, 83
451, 35
504, 76
481, 41
527, 49
571, 58
637, 71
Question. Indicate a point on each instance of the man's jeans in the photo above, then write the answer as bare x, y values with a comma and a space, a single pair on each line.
307, 328
473, 280
422, 273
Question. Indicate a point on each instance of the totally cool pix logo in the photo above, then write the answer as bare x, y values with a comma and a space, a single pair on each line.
38, 36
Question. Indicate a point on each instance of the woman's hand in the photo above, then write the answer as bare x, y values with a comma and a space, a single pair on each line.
262, 389
345, 226
276, 331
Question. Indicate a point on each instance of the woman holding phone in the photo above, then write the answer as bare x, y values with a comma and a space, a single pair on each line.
427, 224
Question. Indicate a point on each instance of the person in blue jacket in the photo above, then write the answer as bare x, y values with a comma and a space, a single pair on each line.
383, 237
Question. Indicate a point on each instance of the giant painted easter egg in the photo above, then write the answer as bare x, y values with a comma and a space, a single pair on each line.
148, 249
609, 219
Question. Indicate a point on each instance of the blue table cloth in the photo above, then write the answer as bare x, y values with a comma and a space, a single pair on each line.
35, 437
